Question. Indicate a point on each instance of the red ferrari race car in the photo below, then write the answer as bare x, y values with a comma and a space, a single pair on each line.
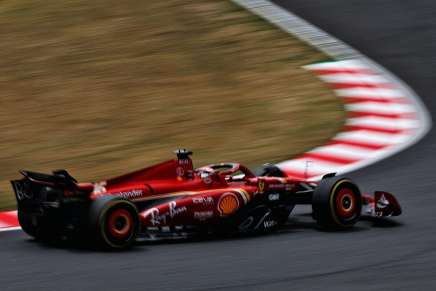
173, 198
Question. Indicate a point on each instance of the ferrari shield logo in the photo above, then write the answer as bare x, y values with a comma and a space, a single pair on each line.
261, 186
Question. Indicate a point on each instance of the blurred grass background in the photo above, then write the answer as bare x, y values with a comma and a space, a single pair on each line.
104, 87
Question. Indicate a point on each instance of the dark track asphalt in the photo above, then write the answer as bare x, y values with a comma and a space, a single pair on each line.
400, 35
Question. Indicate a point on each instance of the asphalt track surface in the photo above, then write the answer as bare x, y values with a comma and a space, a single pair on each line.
400, 35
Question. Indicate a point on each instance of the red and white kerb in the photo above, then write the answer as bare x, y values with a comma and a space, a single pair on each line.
379, 119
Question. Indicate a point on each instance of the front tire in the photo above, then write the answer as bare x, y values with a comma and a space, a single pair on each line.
336, 203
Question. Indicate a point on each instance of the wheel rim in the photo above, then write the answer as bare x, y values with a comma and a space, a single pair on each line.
120, 224
345, 203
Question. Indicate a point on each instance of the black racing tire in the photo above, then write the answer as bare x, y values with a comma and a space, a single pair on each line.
113, 223
336, 203
28, 223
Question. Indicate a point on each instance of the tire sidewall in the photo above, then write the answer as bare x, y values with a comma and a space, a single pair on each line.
98, 215
325, 211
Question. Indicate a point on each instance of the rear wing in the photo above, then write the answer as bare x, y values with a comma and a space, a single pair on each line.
37, 191
57, 178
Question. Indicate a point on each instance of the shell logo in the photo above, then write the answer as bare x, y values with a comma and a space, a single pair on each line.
228, 204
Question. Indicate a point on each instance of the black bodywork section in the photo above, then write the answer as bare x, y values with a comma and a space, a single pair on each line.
51, 203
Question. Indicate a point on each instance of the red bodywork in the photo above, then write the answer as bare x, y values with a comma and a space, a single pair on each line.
173, 196
180, 195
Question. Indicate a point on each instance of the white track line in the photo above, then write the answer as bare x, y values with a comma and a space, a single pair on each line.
381, 108
346, 151
373, 137
311, 165
10, 228
375, 93
349, 64
354, 78
381, 122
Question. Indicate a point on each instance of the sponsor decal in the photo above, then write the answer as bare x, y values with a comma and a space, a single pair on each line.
21, 192
180, 171
157, 218
269, 223
174, 210
382, 202
276, 186
382, 207
130, 194
203, 215
289, 187
273, 196
183, 162
208, 200
228, 204
246, 223
261, 186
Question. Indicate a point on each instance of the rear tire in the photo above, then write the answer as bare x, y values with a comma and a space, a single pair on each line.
114, 223
336, 203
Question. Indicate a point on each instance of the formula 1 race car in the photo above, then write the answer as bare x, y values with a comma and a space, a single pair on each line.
174, 198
